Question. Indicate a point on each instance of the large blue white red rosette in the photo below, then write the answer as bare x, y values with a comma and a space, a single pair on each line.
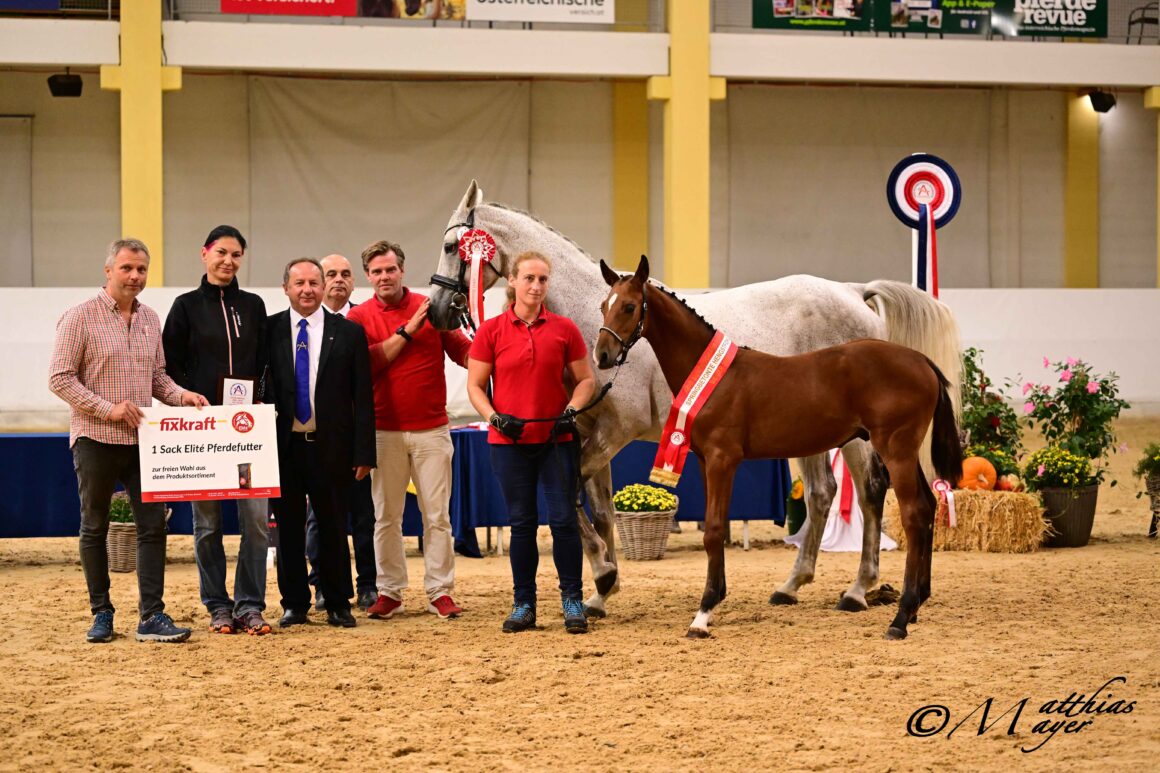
924, 193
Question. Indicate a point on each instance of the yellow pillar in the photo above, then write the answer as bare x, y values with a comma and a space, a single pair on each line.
630, 209
1081, 207
629, 173
1152, 100
141, 78
686, 92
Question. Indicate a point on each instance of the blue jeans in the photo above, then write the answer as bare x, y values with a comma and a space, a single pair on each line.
99, 467
519, 468
250, 576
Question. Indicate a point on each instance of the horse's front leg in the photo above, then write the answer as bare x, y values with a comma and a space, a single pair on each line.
718, 490
600, 540
818, 477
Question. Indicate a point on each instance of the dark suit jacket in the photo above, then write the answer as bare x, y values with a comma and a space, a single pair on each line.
344, 408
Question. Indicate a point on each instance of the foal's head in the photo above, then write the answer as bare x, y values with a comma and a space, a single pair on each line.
624, 314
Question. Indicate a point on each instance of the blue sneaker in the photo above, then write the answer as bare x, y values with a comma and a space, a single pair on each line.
102, 630
160, 627
574, 619
522, 618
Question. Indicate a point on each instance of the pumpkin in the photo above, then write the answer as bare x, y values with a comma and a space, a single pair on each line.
978, 474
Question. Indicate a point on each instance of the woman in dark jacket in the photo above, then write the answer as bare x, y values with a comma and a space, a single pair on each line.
215, 331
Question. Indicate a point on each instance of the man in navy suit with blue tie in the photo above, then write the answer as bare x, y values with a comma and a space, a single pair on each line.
319, 381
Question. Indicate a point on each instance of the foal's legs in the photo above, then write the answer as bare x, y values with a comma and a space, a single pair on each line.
718, 491
918, 522
870, 482
818, 477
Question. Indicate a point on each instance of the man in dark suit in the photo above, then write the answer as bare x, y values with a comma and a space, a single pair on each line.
319, 381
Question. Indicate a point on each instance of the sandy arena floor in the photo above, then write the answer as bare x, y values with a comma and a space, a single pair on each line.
798, 688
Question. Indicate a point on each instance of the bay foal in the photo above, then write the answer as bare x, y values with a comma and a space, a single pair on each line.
784, 407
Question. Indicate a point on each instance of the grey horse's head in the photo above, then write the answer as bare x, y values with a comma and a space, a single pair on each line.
446, 297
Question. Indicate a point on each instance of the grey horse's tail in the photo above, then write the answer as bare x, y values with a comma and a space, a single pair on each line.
914, 318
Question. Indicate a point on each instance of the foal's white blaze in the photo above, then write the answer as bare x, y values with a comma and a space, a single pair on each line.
611, 301
702, 621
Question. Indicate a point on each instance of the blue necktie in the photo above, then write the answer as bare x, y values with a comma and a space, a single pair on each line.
302, 375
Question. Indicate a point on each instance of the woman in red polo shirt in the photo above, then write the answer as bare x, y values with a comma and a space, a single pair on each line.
526, 351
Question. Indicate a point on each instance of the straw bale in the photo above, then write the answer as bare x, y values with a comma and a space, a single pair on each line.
986, 521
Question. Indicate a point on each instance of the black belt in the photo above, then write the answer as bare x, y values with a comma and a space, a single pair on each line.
308, 437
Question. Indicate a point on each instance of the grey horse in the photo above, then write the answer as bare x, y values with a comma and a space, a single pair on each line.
786, 316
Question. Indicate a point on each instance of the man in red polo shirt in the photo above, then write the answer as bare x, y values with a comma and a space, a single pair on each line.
413, 437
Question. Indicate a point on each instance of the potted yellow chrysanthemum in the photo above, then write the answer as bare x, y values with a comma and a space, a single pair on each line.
643, 517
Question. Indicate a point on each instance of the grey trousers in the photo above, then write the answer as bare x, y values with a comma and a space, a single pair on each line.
99, 467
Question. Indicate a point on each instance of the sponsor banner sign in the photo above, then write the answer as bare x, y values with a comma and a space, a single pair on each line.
218, 452
844, 15
561, 11
1007, 18
949, 17
1051, 18
292, 7
29, 5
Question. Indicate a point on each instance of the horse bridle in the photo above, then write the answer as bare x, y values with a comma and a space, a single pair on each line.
637, 332
459, 285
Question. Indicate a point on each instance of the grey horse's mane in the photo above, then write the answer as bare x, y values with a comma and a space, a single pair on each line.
585, 253
525, 213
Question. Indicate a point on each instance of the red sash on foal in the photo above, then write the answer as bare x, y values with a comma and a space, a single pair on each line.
674, 444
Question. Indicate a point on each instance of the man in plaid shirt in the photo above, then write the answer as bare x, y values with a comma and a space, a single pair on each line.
107, 361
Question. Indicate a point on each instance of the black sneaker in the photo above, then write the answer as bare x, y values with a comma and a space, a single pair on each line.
102, 630
366, 599
522, 618
319, 601
574, 619
160, 627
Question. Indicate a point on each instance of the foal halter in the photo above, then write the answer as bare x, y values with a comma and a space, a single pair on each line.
459, 286
637, 331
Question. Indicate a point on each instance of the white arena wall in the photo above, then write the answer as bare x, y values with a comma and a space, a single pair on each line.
309, 165
1112, 329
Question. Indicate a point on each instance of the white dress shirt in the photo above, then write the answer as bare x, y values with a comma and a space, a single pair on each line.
314, 337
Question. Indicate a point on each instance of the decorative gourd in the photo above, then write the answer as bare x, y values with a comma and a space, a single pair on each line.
978, 474
1009, 483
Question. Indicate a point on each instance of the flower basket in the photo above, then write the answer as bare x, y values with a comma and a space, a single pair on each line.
1071, 513
121, 546
1152, 484
644, 535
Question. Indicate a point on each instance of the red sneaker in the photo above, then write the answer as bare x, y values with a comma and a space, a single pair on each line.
445, 607
384, 607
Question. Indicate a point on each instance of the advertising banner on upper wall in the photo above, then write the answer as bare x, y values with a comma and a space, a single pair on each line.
292, 7
1007, 18
559, 11
949, 17
1051, 18
29, 5
852, 15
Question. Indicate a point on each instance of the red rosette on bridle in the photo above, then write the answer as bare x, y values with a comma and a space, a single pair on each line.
477, 249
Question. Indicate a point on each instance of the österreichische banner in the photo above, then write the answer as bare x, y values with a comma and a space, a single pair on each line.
218, 452
560, 11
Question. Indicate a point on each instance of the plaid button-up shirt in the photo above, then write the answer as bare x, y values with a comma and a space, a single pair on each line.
99, 361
